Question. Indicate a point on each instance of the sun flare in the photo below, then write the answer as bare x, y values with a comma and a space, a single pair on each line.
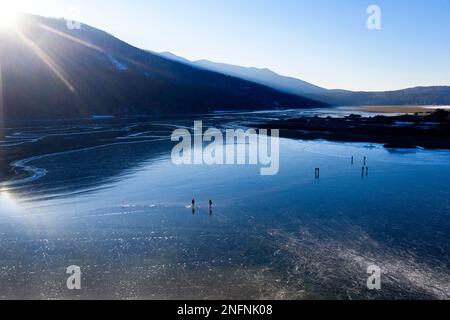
8, 15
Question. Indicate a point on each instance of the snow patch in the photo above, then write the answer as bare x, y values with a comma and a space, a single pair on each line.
117, 64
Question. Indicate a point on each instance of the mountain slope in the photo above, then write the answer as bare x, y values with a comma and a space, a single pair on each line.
412, 96
49, 71
262, 76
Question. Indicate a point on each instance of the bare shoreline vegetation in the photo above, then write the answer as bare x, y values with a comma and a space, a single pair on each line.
427, 130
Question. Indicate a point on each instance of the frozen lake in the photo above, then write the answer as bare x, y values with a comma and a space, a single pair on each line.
117, 206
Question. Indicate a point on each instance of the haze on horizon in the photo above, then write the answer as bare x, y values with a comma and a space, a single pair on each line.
323, 42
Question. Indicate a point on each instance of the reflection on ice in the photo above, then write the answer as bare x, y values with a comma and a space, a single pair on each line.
8, 204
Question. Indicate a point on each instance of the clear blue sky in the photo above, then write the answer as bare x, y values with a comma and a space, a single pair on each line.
325, 42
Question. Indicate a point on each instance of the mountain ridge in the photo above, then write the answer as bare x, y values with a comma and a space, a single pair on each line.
420, 95
51, 72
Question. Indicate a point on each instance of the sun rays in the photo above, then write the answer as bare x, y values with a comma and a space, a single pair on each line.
1, 95
71, 38
2, 104
94, 47
47, 60
39, 38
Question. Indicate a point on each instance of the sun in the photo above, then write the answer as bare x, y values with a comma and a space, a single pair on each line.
8, 15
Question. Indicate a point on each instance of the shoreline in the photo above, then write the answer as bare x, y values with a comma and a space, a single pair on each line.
401, 109
428, 131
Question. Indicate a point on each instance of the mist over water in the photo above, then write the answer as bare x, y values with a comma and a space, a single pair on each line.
115, 205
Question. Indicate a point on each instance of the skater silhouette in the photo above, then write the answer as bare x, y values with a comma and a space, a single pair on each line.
210, 207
